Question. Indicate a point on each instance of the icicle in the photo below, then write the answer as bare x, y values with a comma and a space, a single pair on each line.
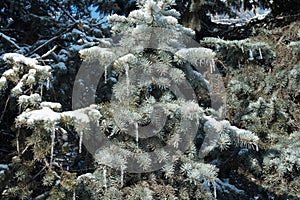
80, 141
217, 17
260, 54
18, 145
105, 74
242, 47
212, 66
52, 145
251, 54
215, 190
242, 6
41, 91
48, 83
200, 62
122, 176
136, 126
255, 147
74, 195
104, 177
127, 78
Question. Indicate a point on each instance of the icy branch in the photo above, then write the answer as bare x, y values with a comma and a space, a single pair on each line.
243, 16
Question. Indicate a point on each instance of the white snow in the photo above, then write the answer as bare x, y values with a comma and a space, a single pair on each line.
18, 58
78, 115
9, 73
87, 175
32, 72
2, 82
168, 20
52, 105
33, 99
196, 55
41, 68
30, 79
103, 55
17, 90
45, 114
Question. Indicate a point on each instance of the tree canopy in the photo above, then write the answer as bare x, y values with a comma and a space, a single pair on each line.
81, 82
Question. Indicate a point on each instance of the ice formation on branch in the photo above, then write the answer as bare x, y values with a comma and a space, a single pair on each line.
49, 120
236, 52
242, 15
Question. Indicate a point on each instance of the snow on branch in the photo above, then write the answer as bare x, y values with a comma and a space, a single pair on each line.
243, 16
238, 51
198, 57
221, 134
28, 69
49, 120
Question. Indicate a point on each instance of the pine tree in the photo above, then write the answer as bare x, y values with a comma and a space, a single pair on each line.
150, 58
144, 75
148, 118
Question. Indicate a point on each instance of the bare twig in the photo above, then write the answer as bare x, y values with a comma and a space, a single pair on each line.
39, 172
5, 107
41, 46
27, 146
49, 52
52, 39
4, 150
7, 38
7, 134
219, 61
67, 13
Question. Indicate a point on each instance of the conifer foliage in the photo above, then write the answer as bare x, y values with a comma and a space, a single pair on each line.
147, 68
145, 112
